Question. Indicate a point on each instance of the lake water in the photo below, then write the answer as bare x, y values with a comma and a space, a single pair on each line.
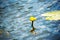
15, 16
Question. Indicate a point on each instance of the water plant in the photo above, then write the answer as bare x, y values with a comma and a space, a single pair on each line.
32, 19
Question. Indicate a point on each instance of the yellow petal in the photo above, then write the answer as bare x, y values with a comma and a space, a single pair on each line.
32, 18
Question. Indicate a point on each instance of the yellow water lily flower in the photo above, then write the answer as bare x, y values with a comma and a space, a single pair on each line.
32, 18
54, 15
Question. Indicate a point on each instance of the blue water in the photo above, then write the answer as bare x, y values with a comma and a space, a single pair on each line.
15, 16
